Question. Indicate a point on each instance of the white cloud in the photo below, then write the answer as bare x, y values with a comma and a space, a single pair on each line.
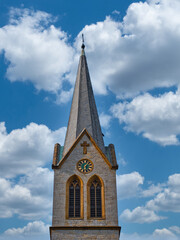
138, 54
128, 185
36, 51
131, 185
39, 182
140, 215
163, 234
35, 227
23, 153
30, 198
64, 96
166, 200
32, 231
157, 118
116, 12
158, 234
174, 182
169, 198
175, 229
98, 38
121, 160
105, 120
23, 150
135, 55
152, 190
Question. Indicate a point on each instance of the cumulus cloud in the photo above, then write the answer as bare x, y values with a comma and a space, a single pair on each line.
98, 37
141, 54
128, 185
39, 182
30, 198
35, 49
156, 118
166, 200
31, 228
138, 54
132, 185
23, 155
121, 160
23, 150
140, 215
152, 190
158, 234
32, 231
175, 229
174, 182
141, 51
169, 198
105, 120
64, 96
163, 234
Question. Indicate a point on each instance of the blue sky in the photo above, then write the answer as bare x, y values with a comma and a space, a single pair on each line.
132, 50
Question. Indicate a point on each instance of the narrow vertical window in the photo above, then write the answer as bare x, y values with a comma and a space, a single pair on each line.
95, 199
77, 201
71, 200
92, 200
74, 199
98, 201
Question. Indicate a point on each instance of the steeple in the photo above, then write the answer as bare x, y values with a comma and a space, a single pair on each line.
83, 109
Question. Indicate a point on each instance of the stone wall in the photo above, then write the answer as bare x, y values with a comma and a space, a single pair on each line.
85, 235
61, 176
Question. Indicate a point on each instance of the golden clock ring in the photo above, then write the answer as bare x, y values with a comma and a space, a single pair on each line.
85, 166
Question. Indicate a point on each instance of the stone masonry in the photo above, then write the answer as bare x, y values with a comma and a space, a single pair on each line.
61, 177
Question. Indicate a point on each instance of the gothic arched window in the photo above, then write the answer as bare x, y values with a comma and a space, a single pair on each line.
95, 198
74, 198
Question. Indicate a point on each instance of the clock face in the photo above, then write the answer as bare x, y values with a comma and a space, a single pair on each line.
85, 166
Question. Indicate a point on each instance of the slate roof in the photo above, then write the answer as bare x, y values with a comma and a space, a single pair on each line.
83, 112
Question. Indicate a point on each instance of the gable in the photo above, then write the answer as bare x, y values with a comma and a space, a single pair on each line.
109, 161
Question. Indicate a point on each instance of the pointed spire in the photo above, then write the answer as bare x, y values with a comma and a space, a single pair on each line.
83, 109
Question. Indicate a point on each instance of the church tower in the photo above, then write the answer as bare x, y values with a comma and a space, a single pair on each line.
85, 197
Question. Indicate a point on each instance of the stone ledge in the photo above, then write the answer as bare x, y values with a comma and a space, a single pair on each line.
85, 228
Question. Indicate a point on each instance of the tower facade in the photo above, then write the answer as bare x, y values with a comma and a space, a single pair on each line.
85, 197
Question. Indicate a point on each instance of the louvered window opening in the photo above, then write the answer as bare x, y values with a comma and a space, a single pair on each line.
74, 199
95, 200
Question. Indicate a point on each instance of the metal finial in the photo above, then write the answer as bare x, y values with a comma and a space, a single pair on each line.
82, 46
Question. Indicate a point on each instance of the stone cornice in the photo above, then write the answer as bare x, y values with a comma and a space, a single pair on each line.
55, 228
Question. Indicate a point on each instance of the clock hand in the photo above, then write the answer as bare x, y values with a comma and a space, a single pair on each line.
85, 166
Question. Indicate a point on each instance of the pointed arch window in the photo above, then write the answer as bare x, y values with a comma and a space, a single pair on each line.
96, 208
74, 198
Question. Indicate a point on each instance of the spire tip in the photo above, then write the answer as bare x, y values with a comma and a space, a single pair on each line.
83, 46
